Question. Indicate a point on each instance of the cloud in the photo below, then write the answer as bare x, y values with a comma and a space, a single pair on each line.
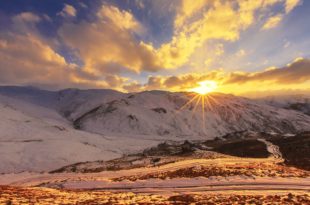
115, 81
121, 18
241, 53
25, 22
39, 64
182, 82
47, 18
108, 45
81, 4
111, 42
133, 87
286, 44
272, 22
291, 4
206, 21
294, 73
25, 59
140, 4
154, 83
68, 11
293, 76
187, 9
26, 17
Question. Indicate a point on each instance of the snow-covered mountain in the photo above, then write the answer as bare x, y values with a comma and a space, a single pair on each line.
161, 113
36, 138
292, 102
44, 130
68, 102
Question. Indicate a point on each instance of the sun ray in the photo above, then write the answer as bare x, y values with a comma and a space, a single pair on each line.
186, 104
196, 105
212, 103
197, 102
213, 99
208, 103
203, 113
201, 96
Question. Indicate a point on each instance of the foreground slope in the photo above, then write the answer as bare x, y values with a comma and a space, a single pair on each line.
216, 179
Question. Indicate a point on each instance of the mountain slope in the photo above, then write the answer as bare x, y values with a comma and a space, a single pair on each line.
69, 102
299, 103
161, 113
44, 130
34, 138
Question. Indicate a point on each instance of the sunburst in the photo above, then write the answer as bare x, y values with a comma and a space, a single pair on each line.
202, 96
205, 87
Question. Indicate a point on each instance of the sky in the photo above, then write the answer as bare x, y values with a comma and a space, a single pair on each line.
247, 47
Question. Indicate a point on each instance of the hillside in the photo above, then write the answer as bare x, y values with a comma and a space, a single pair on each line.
45, 130
164, 114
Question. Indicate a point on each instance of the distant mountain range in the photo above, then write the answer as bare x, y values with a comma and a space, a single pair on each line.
44, 130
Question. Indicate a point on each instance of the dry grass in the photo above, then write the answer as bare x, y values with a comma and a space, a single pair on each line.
43, 196
225, 170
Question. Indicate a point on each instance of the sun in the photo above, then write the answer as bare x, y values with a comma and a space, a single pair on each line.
205, 87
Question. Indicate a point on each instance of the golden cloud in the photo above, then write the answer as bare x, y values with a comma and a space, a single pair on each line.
293, 76
68, 11
291, 4
36, 61
109, 46
272, 22
187, 9
203, 21
28, 59
294, 73
174, 83
110, 43
122, 19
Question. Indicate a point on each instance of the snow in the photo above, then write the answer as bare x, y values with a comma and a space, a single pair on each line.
225, 114
29, 143
37, 132
272, 149
103, 180
299, 102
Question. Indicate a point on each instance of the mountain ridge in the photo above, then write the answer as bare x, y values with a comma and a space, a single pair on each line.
34, 123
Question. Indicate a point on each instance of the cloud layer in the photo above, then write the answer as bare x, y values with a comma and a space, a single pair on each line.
103, 49
295, 75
